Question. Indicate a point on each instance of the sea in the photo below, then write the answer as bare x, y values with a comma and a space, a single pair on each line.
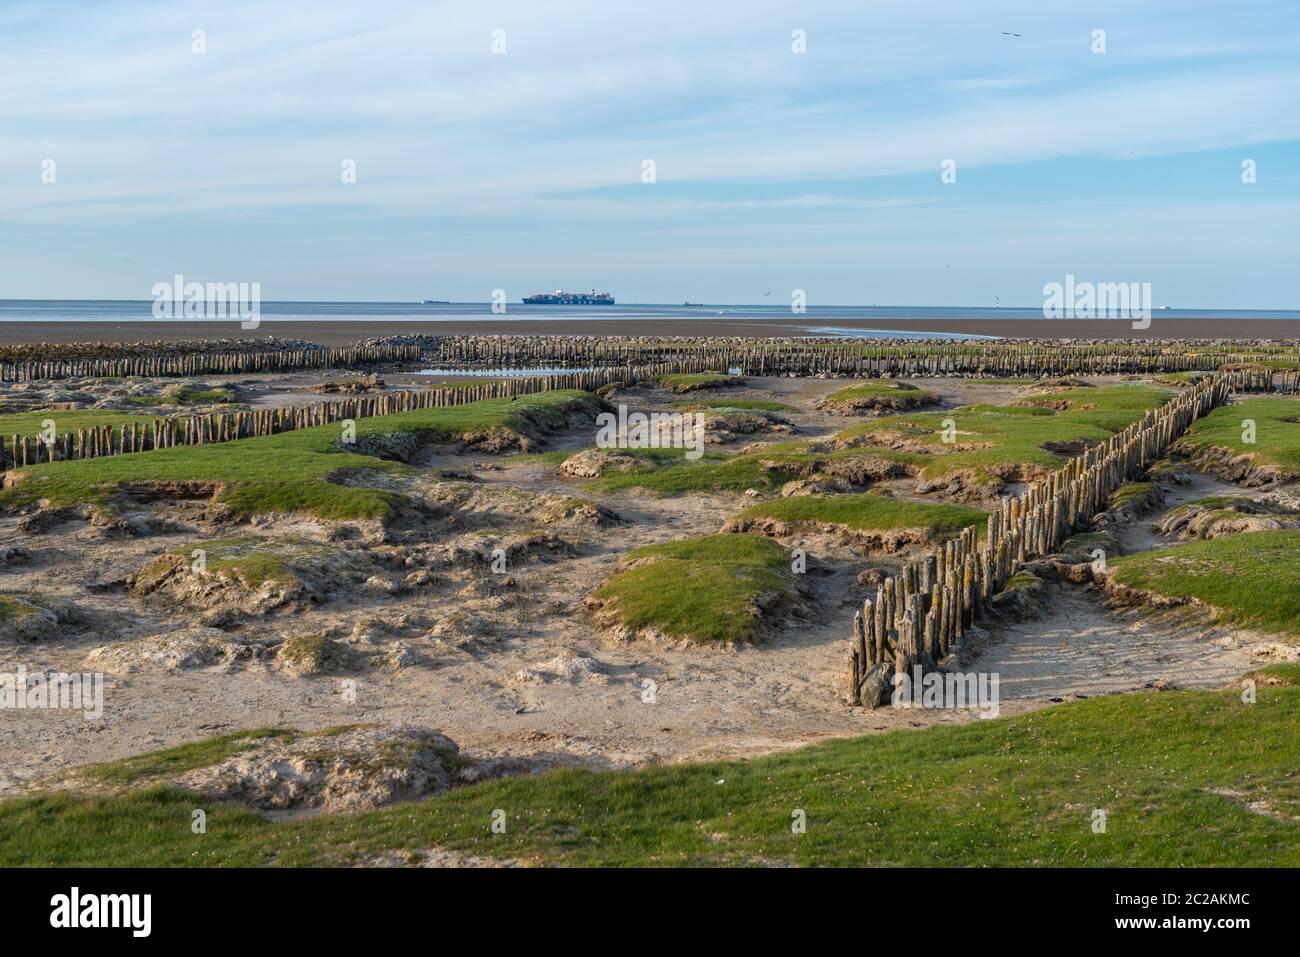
816, 320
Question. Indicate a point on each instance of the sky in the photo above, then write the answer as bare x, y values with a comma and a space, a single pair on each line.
504, 145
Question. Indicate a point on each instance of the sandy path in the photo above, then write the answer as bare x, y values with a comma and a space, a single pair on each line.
1078, 647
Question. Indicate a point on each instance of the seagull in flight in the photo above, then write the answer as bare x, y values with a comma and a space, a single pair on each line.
1006, 34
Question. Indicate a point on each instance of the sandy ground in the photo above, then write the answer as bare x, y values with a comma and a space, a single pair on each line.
486, 684
1079, 647
344, 333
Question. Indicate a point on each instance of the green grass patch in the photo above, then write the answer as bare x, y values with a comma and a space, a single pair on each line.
693, 381
867, 512
68, 420
1252, 579
1284, 674
1133, 493
252, 560
1176, 773
1022, 581
1277, 433
702, 589
177, 760
187, 395
11, 609
1040, 431
674, 474
1007, 438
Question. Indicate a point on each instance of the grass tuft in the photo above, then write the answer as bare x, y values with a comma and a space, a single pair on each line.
702, 589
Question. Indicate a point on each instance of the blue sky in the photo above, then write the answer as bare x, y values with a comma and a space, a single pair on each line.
522, 170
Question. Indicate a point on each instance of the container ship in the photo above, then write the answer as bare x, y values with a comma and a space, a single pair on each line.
562, 298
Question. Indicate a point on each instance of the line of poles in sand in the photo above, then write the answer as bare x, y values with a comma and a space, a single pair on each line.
150, 434
202, 429
918, 615
233, 362
852, 358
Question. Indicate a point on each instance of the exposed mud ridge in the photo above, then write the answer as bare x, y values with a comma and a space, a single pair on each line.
172, 651
1120, 596
860, 469
1232, 466
483, 548
24, 618
409, 446
349, 770
254, 577
904, 400
721, 428
865, 541
593, 463
1147, 499
531, 428
1227, 517
898, 440
716, 382
477, 504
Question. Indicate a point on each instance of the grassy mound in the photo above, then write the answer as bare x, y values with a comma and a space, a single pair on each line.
694, 381
186, 757
251, 560
292, 471
992, 442
1039, 432
1277, 432
1134, 496
702, 589
876, 395
669, 472
15, 609
1252, 579
1186, 778
866, 512
188, 395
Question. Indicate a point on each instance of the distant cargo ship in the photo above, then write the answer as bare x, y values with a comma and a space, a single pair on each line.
562, 298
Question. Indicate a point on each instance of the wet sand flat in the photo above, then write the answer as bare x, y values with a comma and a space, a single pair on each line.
342, 333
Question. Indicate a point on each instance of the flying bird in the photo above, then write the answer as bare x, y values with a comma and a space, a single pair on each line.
1006, 34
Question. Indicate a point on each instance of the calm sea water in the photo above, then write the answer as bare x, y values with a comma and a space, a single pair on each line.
818, 320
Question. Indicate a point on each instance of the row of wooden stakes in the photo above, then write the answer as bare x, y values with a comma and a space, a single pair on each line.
856, 357
918, 615
233, 362
165, 433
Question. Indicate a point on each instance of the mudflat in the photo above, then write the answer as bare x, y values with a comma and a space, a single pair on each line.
345, 333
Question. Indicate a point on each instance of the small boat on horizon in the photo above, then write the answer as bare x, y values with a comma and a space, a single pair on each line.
435, 302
